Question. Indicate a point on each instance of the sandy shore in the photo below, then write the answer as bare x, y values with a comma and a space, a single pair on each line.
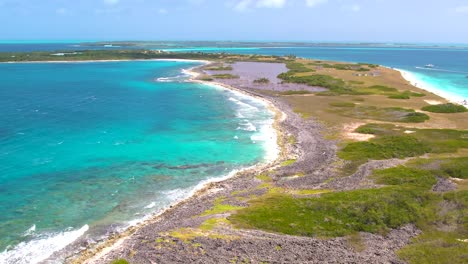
314, 156
413, 80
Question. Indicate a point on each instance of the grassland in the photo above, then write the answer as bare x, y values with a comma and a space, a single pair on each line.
387, 107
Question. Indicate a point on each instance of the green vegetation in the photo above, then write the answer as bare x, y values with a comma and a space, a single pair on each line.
406, 176
444, 238
219, 68
220, 208
208, 79
336, 86
225, 76
120, 261
405, 95
105, 55
406, 198
384, 147
437, 140
390, 114
296, 67
288, 162
342, 104
292, 92
262, 81
335, 214
444, 167
445, 108
341, 66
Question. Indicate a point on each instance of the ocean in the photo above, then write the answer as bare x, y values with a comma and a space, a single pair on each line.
90, 148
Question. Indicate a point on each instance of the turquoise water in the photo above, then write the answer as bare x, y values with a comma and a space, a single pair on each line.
87, 145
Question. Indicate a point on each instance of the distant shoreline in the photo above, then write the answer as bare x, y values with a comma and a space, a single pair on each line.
413, 80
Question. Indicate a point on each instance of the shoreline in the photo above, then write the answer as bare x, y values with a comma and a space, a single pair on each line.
420, 84
202, 188
95, 61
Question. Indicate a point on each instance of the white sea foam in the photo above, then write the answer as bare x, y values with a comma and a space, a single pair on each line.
420, 83
39, 249
247, 126
151, 205
178, 78
30, 231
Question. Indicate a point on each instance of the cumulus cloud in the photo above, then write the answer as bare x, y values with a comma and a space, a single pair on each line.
314, 3
462, 9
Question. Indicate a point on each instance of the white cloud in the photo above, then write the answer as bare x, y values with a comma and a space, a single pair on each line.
352, 8
314, 3
248, 5
271, 3
462, 9
163, 11
111, 2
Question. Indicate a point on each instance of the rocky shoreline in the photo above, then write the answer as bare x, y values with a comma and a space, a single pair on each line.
154, 241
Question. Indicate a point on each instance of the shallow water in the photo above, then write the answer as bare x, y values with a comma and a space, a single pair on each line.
89, 145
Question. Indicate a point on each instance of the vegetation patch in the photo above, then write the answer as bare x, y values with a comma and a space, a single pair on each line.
335, 214
390, 114
297, 67
292, 92
225, 76
262, 81
384, 147
342, 104
219, 68
445, 108
288, 162
437, 140
120, 261
220, 208
402, 175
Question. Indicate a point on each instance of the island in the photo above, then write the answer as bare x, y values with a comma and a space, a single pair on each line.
371, 170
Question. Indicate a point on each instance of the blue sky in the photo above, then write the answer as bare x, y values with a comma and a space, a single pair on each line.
301, 20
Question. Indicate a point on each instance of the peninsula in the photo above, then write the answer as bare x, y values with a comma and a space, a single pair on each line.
372, 170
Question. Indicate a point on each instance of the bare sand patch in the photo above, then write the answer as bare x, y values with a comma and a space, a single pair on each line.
349, 133
433, 102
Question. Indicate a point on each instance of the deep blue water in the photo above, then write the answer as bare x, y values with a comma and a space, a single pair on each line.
89, 145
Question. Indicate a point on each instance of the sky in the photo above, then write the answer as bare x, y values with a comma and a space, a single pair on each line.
427, 21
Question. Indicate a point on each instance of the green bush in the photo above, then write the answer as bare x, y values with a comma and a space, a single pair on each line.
120, 261
335, 214
291, 92
262, 81
225, 76
384, 147
343, 104
415, 118
445, 108
402, 175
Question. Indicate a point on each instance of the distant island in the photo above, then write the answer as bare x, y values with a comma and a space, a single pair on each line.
372, 170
